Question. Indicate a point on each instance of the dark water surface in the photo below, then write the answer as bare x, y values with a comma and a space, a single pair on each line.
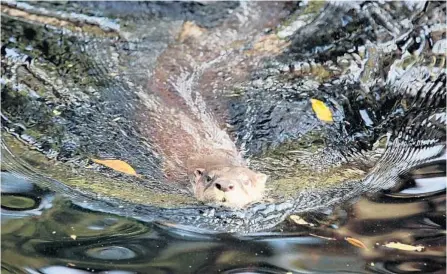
365, 193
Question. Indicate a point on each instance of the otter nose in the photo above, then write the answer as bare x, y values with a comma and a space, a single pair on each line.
224, 187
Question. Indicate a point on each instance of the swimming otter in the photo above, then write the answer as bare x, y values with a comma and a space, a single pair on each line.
193, 146
204, 154
217, 178
184, 115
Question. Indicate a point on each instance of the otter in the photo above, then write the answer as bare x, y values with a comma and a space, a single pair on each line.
184, 113
204, 159
216, 178
195, 148
198, 151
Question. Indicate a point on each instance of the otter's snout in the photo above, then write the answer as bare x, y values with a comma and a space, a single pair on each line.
224, 186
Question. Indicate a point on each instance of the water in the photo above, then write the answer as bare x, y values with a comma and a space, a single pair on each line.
364, 194
48, 233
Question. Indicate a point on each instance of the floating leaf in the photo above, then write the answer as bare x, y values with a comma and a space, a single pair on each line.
117, 165
321, 110
405, 247
299, 221
190, 30
356, 242
322, 237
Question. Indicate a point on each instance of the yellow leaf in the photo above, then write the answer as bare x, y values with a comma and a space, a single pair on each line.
299, 221
322, 237
73, 237
117, 165
321, 110
405, 247
356, 242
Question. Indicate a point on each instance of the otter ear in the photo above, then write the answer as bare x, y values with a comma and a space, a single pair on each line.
198, 173
260, 179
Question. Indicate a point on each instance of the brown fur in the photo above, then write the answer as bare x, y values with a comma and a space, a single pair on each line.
218, 178
183, 118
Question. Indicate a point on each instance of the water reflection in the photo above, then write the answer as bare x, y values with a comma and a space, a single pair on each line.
21, 198
396, 231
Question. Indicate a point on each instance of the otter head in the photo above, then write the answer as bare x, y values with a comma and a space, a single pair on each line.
232, 186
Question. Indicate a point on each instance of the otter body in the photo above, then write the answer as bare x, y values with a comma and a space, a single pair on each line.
192, 145
185, 116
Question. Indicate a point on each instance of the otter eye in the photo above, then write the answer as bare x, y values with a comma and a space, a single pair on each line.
208, 179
